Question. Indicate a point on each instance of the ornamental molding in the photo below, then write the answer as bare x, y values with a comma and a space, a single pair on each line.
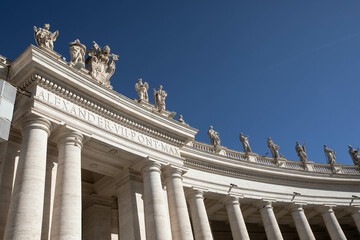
290, 180
99, 109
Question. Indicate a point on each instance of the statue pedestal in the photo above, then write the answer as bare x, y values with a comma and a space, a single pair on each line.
280, 162
309, 166
336, 167
220, 150
251, 157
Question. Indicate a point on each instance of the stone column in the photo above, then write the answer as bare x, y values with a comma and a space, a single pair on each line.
26, 208
301, 222
202, 230
355, 213
66, 222
6, 183
331, 223
156, 219
179, 216
236, 219
271, 226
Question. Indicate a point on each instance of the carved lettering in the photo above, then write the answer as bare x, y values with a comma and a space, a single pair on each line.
106, 124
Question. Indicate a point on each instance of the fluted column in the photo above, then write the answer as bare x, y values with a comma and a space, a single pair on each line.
156, 218
66, 222
202, 230
179, 216
355, 213
302, 225
6, 183
331, 223
26, 208
236, 219
270, 223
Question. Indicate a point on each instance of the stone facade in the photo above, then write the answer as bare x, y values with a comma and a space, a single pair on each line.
84, 162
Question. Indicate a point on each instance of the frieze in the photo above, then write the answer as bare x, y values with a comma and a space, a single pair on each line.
104, 123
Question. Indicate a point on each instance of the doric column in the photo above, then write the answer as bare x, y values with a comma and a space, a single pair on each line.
6, 183
202, 230
66, 222
236, 220
26, 208
331, 223
301, 222
271, 225
355, 213
179, 216
156, 217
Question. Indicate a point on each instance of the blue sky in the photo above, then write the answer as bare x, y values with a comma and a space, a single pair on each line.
285, 69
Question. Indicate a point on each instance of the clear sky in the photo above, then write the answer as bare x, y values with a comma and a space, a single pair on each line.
285, 69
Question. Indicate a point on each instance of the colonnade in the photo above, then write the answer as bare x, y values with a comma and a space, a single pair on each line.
25, 215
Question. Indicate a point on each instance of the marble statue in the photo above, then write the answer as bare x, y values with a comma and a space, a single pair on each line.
274, 149
330, 155
214, 137
245, 142
180, 119
159, 97
44, 38
77, 54
301, 152
355, 156
99, 64
142, 90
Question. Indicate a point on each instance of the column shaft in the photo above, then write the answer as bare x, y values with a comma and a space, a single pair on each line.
271, 225
236, 219
156, 218
179, 216
26, 208
66, 222
6, 183
332, 224
302, 225
202, 230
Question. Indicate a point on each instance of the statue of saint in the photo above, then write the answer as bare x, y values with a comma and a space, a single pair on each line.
44, 38
301, 152
214, 137
142, 90
99, 64
274, 149
355, 156
180, 119
159, 97
330, 155
77, 54
245, 142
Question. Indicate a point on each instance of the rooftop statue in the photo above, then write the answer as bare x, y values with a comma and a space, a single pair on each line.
214, 137
330, 155
301, 152
245, 142
44, 38
180, 119
159, 97
274, 149
100, 65
142, 90
355, 156
77, 54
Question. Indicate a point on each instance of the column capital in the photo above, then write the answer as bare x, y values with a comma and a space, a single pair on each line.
192, 192
71, 137
326, 209
296, 207
171, 171
264, 203
232, 199
33, 122
150, 166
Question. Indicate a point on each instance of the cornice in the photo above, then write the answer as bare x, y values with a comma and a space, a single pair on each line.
290, 180
50, 66
99, 108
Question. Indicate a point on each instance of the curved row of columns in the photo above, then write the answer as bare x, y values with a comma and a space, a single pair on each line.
26, 208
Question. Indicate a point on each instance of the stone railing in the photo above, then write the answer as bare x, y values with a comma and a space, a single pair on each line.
281, 162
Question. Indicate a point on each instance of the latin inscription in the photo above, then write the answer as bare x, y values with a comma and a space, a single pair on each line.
104, 123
